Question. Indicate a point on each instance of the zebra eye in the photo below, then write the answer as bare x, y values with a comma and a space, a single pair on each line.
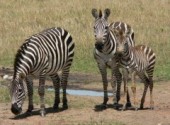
126, 44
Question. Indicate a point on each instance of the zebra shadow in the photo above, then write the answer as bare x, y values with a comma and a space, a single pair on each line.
119, 107
101, 107
36, 112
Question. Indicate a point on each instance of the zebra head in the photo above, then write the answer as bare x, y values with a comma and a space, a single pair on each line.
18, 94
121, 41
101, 28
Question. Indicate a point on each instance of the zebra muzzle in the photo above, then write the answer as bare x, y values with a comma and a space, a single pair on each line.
99, 46
15, 109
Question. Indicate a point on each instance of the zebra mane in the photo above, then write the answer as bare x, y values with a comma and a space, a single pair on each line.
100, 13
19, 56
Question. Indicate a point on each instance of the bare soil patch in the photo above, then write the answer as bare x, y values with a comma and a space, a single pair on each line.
85, 112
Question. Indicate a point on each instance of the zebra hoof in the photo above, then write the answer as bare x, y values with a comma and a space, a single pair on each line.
123, 108
65, 107
152, 108
30, 108
117, 106
136, 109
128, 104
101, 107
55, 107
141, 107
29, 112
42, 113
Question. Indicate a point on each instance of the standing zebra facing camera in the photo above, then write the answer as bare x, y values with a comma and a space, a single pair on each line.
139, 60
104, 54
126, 29
42, 54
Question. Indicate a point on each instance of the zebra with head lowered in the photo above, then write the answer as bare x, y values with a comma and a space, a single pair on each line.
104, 54
139, 60
42, 54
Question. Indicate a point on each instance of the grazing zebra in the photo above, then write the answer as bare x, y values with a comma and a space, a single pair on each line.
140, 60
42, 54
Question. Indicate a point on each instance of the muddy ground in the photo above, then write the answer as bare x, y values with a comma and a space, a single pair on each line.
88, 114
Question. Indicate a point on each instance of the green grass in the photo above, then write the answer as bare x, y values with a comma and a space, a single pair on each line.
149, 19
5, 97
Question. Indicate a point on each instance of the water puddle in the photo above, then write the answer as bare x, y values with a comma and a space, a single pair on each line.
82, 92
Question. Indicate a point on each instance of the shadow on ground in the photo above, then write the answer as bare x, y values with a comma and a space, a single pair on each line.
35, 112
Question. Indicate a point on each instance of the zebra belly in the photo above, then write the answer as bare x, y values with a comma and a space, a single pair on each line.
55, 66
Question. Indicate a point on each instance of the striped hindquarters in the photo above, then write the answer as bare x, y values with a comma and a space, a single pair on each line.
144, 58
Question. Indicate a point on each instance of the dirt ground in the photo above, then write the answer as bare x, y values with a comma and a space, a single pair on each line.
88, 115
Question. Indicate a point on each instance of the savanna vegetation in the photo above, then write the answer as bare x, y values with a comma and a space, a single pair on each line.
22, 18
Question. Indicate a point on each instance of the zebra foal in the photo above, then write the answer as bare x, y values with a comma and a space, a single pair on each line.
42, 54
139, 60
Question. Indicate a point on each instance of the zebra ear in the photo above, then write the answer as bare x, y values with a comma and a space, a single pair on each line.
129, 31
106, 13
116, 31
94, 13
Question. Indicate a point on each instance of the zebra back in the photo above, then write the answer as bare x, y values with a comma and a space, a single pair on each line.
143, 57
49, 50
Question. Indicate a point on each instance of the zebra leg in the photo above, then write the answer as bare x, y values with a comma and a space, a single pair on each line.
133, 88
125, 74
64, 78
116, 85
146, 84
125, 77
124, 99
114, 88
41, 91
29, 84
150, 71
144, 94
56, 83
103, 72
119, 81
151, 96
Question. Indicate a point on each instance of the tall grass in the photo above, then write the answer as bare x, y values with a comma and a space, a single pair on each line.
149, 19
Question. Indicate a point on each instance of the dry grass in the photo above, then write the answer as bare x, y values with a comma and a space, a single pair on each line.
150, 20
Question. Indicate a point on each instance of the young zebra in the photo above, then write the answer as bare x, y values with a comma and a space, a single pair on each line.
104, 54
125, 28
42, 54
139, 60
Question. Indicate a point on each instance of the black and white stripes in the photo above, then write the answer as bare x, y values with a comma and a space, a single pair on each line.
44, 54
127, 29
140, 60
104, 53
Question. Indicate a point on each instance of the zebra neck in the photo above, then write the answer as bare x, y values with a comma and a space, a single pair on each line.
109, 46
18, 73
128, 58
